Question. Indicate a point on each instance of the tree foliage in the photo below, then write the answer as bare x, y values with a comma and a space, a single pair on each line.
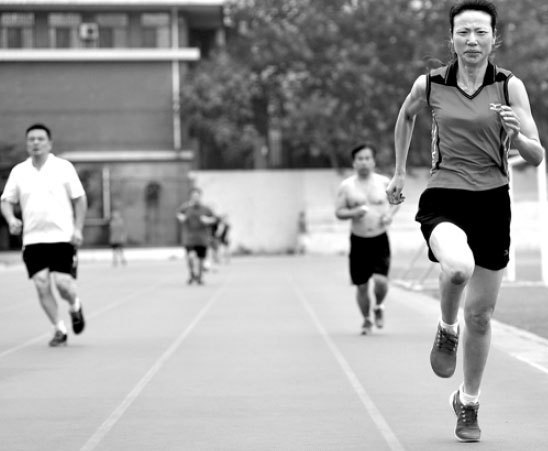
327, 74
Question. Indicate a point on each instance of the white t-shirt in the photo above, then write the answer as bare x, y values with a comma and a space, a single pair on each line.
45, 196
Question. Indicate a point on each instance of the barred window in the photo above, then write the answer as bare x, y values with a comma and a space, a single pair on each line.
63, 30
155, 30
17, 30
113, 30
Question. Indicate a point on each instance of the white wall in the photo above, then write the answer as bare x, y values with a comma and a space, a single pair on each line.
263, 208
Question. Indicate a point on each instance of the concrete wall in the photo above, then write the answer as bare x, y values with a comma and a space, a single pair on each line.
149, 222
263, 207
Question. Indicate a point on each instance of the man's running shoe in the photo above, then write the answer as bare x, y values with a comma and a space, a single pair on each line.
379, 317
443, 357
59, 339
467, 428
78, 321
367, 327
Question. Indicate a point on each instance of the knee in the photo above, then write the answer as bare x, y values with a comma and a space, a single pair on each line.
363, 288
381, 284
42, 283
478, 321
460, 274
65, 286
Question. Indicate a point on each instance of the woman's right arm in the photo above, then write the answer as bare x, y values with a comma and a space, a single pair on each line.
405, 124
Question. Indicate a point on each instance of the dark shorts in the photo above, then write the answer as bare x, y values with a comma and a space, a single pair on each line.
483, 215
57, 257
201, 251
368, 256
116, 245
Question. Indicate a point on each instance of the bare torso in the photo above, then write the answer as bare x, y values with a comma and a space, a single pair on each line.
371, 193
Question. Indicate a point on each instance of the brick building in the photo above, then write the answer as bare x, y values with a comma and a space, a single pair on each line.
105, 75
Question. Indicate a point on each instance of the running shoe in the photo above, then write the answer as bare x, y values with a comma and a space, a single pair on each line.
367, 327
59, 339
443, 357
467, 428
379, 317
78, 321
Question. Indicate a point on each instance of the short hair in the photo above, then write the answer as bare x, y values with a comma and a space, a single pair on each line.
39, 127
365, 145
485, 6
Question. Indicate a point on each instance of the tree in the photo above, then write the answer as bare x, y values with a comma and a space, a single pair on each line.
327, 74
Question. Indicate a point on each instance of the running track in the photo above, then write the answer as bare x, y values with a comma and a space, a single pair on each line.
265, 356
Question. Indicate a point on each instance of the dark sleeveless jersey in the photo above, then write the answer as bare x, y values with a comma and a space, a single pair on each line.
469, 144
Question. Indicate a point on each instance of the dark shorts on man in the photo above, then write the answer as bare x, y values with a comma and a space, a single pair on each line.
201, 251
368, 256
57, 257
483, 215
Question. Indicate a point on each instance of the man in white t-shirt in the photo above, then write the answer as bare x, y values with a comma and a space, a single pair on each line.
53, 205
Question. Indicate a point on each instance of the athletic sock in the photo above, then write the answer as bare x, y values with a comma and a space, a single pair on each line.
76, 306
379, 307
60, 326
453, 328
466, 398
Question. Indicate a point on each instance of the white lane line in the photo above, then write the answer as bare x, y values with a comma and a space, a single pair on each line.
99, 312
113, 418
525, 346
522, 345
382, 425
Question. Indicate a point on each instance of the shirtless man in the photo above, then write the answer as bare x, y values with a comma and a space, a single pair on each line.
362, 199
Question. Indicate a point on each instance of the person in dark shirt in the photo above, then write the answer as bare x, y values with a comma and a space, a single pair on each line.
196, 219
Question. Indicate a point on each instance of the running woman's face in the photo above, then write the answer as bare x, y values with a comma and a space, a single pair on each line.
473, 38
38, 143
364, 161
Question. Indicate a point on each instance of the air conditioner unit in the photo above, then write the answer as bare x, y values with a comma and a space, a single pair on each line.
89, 31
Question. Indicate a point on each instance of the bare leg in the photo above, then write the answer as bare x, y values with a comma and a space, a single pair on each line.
190, 257
66, 285
42, 282
201, 266
449, 244
364, 301
479, 306
380, 288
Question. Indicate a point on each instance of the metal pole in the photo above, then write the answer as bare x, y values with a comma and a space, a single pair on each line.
106, 193
175, 82
543, 216
511, 268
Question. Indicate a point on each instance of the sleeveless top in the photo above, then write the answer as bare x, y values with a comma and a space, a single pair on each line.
469, 144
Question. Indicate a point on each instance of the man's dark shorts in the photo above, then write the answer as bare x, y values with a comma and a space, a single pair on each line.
368, 256
201, 251
483, 215
57, 257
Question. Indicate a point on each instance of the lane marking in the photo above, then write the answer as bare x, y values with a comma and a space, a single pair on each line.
377, 417
96, 313
117, 413
522, 345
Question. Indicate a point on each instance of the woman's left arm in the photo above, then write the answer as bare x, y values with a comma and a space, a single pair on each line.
518, 122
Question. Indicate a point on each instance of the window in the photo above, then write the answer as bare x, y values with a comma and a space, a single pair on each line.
17, 30
204, 39
155, 30
62, 37
63, 30
113, 30
106, 37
